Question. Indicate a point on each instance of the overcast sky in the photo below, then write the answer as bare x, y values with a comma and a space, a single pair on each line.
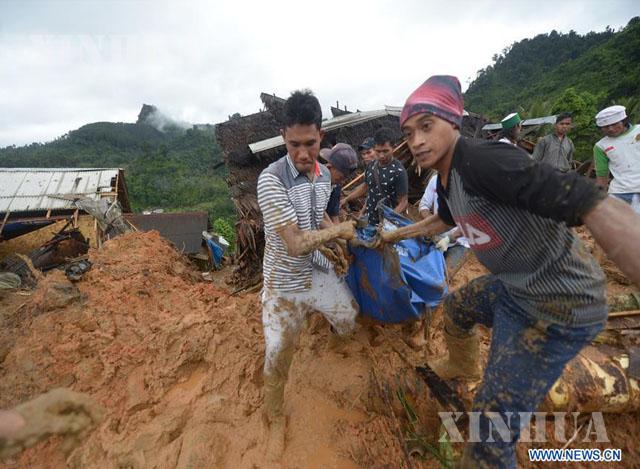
67, 63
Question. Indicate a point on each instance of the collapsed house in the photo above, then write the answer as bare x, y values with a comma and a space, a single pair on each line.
53, 216
31, 198
250, 143
49, 215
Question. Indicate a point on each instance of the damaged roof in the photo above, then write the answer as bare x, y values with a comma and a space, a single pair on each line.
328, 125
43, 189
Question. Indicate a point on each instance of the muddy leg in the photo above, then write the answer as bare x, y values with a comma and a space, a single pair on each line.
281, 318
463, 309
60, 411
527, 356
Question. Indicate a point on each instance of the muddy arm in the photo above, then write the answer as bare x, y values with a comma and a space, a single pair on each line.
327, 221
357, 193
298, 242
61, 412
428, 227
403, 200
616, 228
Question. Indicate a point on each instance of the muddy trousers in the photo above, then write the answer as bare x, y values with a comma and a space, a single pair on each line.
282, 315
526, 358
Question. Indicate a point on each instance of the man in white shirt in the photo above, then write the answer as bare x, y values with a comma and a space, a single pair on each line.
619, 153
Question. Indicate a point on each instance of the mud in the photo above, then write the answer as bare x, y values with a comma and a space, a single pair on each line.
176, 363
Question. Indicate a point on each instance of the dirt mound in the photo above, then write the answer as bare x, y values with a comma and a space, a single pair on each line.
147, 342
177, 365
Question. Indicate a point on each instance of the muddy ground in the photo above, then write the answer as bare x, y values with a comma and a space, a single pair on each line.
177, 364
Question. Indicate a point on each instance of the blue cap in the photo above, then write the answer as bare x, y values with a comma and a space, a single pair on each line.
343, 157
367, 143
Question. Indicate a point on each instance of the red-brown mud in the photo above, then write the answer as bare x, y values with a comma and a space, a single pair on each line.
177, 365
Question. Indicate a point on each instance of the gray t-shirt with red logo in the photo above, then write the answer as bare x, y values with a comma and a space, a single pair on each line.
514, 211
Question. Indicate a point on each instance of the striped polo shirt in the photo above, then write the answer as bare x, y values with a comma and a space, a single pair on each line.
514, 211
287, 196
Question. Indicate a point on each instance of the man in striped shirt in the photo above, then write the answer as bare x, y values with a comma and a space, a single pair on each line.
293, 193
545, 297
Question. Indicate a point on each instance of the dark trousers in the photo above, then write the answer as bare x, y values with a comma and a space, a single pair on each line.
526, 358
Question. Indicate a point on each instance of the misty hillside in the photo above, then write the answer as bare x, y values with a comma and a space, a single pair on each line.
168, 164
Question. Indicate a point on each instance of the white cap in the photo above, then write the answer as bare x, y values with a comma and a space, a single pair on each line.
610, 115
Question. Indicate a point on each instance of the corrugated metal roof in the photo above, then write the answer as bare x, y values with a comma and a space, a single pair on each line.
535, 121
37, 189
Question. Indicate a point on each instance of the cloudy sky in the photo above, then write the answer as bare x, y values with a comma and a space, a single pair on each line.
65, 63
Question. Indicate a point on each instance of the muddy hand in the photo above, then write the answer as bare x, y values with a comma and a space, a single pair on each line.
58, 412
347, 230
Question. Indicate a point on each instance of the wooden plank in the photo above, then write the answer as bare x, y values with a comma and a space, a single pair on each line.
479, 125
131, 224
52, 218
634, 312
97, 233
356, 179
48, 213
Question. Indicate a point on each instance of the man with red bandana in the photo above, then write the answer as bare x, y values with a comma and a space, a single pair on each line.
544, 298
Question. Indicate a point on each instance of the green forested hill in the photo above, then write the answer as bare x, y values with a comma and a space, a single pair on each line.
171, 169
563, 73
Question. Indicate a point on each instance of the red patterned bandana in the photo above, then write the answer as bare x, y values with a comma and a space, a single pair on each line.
440, 95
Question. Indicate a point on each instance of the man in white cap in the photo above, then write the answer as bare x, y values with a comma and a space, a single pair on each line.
511, 128
618, 152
